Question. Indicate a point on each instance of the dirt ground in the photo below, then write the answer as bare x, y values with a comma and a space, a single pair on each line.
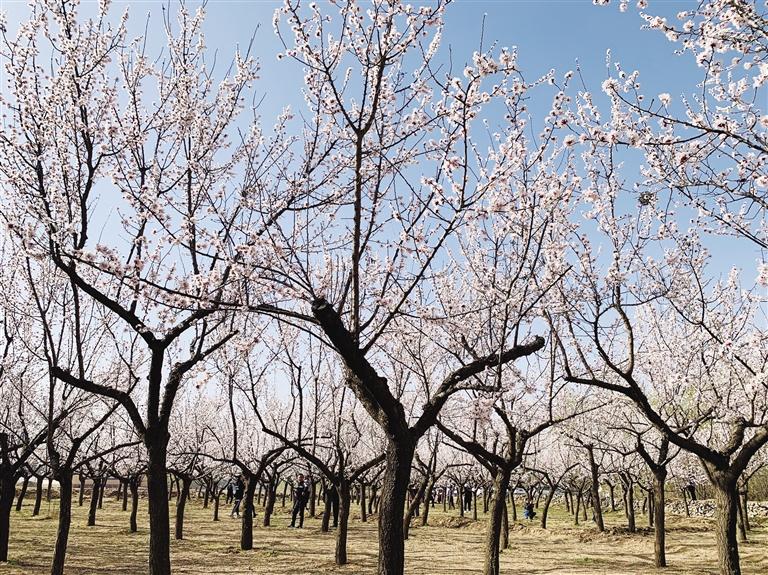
447, 546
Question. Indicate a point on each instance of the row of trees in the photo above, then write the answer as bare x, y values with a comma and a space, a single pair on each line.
405, 256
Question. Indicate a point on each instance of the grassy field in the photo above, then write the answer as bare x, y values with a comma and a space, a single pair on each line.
447, 546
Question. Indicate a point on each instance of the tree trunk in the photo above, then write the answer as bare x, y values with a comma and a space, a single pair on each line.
312, 496
157, 500
124, 485
81, 490
95, 491
206, 497
7, 495
246, 527
38, 496
740, 516
596, 507
504, 529
578, 508
341, 532
102, 488
726, 498
216, 500
744, 500
397, 474
181, 505
326, 520
363, 510
20, 500
134, 486
65, 520
659, 512
269, 507
427, 501
545, 509
493, 534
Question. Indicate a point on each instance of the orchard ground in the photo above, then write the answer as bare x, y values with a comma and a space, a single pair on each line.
448, 545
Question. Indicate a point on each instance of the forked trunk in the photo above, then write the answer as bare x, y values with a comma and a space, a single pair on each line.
397, 474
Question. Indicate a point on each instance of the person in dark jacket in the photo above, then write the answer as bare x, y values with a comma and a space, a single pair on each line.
238, 495
300, 499
230, 492
467, 498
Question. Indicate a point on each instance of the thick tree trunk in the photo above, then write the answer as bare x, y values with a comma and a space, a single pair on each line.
659, 512
7, 495
65, 521
740, 523
206, 497
631, 525
341, 532
134, 486
744, 501
246, 527
726, 498
493, 534
157, 500
397, 474
22, 493
181, 505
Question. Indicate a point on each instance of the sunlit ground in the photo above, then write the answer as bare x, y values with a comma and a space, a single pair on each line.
446, 546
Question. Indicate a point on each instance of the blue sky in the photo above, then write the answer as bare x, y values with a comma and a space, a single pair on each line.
548, 33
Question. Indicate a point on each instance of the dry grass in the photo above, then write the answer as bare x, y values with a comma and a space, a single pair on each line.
447, 546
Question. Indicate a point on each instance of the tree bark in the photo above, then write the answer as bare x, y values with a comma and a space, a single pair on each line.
363, 509
596, 507
397, 474
341, 532
65, 521
38, 496
545, 509
7, 495
95, 491
134, 486
157, 500
181, 505
726, 498
81, 490
246, 526
493, 534
20, 500
659, 512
